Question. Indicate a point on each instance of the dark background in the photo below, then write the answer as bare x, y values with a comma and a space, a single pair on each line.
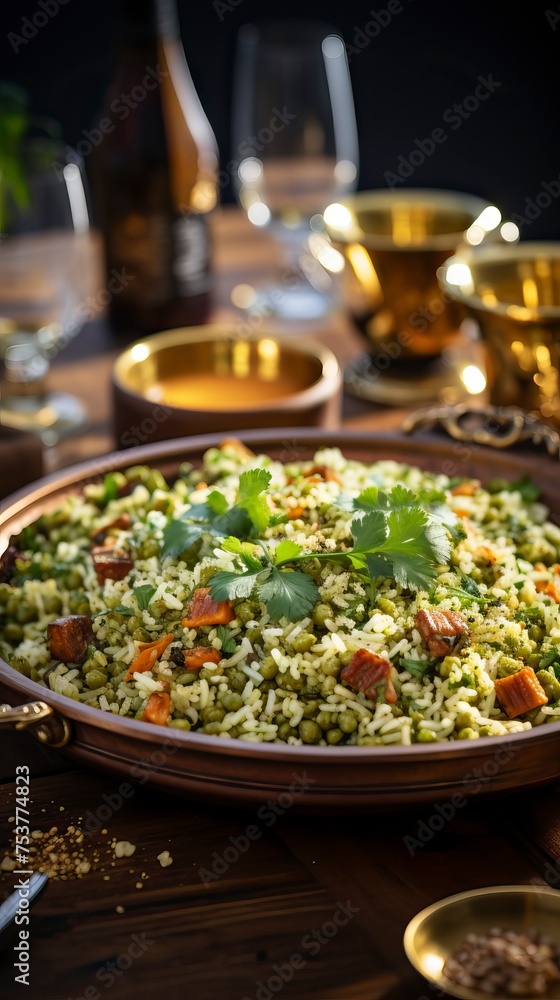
425, 60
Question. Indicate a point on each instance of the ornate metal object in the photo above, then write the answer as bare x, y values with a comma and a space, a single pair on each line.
42, 721
493, 426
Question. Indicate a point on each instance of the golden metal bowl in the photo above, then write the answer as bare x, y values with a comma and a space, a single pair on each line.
435, 933
513, 292
206, 379
393, 243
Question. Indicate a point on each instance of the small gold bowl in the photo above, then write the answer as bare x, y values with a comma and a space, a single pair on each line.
435, 933
205, 379
513, 293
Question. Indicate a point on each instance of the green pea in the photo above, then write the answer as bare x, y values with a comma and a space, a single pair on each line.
303, 642
292, 683
5, 593
180, 724
150, 548
426, 736
310, 709
137, 474
267, 686
232, 701
309, 731
96, 679
328, 686
212, 714
324, 720
141, 635
285, 730
279, 719
26, 613
53, 604
234, 732
212, 728
13, 632
90, 664
187, 678
22, 665
13, 605
237, 680
268, 668
331, 668
74, 580
536, 633
115, 669
133, 623
246, 611
334, 736
254, 635
110, 695
348, 722
320, 614
207, 673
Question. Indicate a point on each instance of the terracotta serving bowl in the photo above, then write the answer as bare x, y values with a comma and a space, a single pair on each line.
205, 379
357, 779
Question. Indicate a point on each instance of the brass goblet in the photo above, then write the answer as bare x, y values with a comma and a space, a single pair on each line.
513, 292
393, 244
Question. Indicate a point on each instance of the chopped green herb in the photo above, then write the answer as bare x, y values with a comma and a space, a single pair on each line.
415, 667
144, 595
229, 644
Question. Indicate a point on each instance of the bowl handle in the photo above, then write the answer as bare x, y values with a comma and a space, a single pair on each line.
493, 426
43, 722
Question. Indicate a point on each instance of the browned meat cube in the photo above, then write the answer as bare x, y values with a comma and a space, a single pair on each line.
440, 629
69, 638
111, 563
365, 671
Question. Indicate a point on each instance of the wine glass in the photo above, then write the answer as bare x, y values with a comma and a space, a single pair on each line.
296, 145
44, 224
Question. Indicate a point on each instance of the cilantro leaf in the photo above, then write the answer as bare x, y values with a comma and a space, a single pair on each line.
110, 489
179, 536
415, 667
217, 502
402, 539
252, 497
288, 593
120, 608
229, 644
525, 486
245, 551
143, 595
286, 551
233, 586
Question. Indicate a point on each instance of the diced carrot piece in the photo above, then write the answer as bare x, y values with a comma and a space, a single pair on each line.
148, 653
294, 512
463, 514
549, 588
519, 693
323, 472
540, 567
466, 489
486, 553
203, 610
234, 444
158, 708
144, 661
159, 644
197, 657
201, 486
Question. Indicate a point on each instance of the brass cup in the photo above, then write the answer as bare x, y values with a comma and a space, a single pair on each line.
393, 243
228, 382
434, 934
513, 292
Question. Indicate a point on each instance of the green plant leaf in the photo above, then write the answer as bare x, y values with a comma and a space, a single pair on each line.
178, 536
143, 595
233, 586
286, 551
253, 485
288, 593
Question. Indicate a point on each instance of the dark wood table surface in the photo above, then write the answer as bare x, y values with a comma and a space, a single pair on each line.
315, 907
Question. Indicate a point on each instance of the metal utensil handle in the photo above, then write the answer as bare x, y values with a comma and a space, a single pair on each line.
493, 426
41, 720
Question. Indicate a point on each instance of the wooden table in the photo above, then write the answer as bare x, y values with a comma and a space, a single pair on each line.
313, 908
